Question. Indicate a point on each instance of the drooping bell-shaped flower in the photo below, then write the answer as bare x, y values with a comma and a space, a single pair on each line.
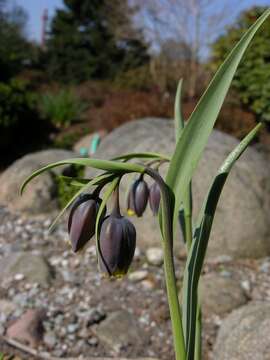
117, 242
137, 197
82, 220
154, 198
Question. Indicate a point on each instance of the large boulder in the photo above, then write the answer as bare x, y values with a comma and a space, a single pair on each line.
33, 268
245, 334
242, 222
220, 295
40, 195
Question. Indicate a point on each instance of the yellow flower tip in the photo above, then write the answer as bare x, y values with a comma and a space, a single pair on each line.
118, 275
130, 212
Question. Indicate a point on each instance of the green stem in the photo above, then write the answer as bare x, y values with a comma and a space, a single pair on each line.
172, 291
198, 338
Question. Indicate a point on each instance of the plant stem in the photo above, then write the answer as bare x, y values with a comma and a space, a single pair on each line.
172, 291
198, 338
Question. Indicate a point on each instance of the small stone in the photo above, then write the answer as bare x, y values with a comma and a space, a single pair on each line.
139, 275
148, 284
50, 340
29, 328
18, 277
265, 267
137, 253
72, 328
94, 316
246, 285
154, 256
93, 341
119, 330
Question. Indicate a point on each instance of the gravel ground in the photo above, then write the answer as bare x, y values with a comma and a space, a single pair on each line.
79, 300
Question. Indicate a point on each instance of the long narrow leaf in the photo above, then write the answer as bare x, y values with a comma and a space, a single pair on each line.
178, 115
185, 212
197, 131
200, 241
143, 155
106, 165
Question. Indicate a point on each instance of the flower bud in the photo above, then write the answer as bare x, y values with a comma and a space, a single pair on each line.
154, 198
82, 220
117, 245
137, 197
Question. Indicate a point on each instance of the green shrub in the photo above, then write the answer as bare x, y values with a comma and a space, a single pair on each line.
62, 108
16, 102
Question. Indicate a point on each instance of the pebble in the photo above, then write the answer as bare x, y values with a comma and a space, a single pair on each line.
92, 341
137, 276
72, 328
19, 277
246, 285
147, 284
50, 339
94, 316
154, 256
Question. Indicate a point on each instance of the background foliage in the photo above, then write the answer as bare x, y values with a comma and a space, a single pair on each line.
84, 43
252, 78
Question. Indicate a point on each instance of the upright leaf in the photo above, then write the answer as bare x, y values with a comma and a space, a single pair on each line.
178, 115
185, 211
199, 245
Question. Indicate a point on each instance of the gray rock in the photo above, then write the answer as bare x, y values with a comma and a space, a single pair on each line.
242, 222
138, 275
220, 295
245, 334
120, 330
50, 339
28, 329
40, 195
154, 256
34, 267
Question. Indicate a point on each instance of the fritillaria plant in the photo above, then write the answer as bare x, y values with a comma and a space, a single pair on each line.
170, 198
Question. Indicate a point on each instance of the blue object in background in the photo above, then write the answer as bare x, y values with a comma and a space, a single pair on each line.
85, 152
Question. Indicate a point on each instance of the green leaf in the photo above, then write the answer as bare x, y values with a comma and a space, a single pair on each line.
142, 155
185, 211
111, 187
74, 181
195, 135
200, 241
106, 165
178, 116
96, 181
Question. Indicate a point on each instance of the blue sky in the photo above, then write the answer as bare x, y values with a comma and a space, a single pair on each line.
35, 9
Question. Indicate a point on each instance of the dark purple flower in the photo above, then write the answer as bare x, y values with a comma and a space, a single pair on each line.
82, 220
117, 245
137, 197
154, 198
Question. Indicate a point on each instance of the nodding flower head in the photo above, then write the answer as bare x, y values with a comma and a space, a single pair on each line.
154, 198
137, 197
82, 220
117, 243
